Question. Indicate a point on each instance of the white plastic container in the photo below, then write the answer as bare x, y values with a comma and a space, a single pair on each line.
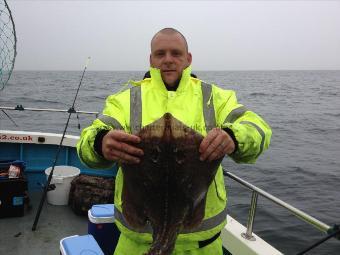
62, 177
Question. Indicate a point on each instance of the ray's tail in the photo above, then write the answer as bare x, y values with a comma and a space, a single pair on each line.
164, 240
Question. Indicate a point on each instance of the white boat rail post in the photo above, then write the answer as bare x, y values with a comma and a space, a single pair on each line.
298, 213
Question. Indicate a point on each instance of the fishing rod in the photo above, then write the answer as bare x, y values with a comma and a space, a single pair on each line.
21, 108
334, 232
46, 188
9, 117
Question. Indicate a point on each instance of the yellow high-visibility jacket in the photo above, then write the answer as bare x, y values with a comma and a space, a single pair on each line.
200, 106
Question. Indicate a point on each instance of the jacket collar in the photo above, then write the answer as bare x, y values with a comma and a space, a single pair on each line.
157, 82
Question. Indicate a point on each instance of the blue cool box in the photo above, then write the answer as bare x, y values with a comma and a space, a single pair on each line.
84, 245
101, 225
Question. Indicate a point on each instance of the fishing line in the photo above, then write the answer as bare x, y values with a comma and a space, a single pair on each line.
70, 111
9, 117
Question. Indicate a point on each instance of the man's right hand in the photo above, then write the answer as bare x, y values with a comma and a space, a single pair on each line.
116, 146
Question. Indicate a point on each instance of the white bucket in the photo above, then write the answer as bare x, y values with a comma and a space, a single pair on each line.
62, 177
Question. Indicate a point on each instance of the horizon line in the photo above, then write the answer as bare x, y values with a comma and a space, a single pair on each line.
219, 70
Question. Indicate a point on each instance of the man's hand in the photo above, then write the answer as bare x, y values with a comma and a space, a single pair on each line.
116, 146
216, 145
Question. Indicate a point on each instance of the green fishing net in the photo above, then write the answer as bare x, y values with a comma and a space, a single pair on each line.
8, 42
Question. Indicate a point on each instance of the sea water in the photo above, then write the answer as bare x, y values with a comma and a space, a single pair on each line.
301, 167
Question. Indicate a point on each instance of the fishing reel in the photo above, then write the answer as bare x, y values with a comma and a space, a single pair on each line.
49, 188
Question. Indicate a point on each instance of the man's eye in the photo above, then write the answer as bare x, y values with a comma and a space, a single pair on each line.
159, 54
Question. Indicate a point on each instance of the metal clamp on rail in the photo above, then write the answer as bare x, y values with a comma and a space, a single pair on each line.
71, 110
336, 229
19, 107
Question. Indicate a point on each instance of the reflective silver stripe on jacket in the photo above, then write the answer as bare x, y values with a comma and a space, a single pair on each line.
208, 109
135, 109
259, 130
205, 225
109, 121
235, 114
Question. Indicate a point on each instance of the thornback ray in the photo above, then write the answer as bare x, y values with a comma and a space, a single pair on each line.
168, 188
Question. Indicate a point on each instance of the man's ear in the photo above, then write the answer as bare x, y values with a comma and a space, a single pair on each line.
189, 58
150, 60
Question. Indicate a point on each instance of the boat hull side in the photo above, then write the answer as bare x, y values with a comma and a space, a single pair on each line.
38, 156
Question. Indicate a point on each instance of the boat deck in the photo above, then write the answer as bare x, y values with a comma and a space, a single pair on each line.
55, 223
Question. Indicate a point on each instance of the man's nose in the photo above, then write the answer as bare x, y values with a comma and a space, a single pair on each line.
168, 58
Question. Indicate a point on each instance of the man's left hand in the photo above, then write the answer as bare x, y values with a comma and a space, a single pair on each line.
216, 145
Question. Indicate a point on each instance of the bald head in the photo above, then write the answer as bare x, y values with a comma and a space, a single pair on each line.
170, 31
169, 54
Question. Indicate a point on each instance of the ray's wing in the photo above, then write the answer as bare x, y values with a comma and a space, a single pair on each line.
193, 176
143, 181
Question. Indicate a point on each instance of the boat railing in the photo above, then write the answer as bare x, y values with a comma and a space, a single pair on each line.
255, 190
21, 108
253, 204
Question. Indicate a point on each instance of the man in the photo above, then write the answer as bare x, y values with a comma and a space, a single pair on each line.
229, 129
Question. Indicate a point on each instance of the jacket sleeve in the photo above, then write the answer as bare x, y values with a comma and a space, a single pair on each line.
252, 133
113, 117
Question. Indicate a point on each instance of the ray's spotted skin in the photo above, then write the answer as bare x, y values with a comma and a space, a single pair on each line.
168, 188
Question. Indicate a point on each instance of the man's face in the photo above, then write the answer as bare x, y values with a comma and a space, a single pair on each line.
170, 55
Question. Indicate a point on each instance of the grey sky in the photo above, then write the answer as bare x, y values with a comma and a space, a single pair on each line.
222, 35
